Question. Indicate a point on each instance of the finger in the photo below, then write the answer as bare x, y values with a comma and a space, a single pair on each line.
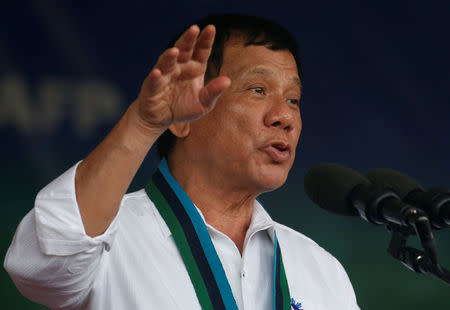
167, 60
209, 94
154, 80
186, 43
204, 44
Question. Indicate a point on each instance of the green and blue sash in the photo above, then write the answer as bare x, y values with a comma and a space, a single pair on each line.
197, 250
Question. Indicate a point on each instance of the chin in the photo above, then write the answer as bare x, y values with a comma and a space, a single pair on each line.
271, 180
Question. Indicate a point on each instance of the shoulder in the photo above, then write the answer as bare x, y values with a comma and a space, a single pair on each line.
297, 245
135, 196
313, 271
137, 206
138, 215
290, 233
134, 208
295, 239
137, 202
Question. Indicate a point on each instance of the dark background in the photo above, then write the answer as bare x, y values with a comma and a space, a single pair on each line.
376, 95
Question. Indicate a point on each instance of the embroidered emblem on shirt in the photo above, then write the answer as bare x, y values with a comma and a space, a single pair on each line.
296, 305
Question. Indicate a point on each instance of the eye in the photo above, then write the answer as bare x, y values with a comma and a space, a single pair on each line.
258, 90
294, 101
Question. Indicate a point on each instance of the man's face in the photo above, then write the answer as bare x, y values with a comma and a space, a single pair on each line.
249, 139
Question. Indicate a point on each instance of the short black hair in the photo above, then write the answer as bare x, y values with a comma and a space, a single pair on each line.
256, 31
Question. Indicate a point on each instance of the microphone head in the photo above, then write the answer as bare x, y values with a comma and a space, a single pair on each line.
439, 190
399, 182
329, 186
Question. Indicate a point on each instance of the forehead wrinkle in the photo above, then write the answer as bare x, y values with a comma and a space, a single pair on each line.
269, 72
258, 71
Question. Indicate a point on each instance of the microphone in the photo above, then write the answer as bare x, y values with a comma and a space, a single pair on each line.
435, 202
345, 191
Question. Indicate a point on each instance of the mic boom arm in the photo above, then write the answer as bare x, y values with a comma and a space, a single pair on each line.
379, 206
419, 261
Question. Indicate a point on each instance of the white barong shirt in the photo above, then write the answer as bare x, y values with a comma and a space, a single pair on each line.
135, 264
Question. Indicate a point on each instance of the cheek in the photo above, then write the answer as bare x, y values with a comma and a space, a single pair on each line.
299, 126
233, 125
237, 118
235, 134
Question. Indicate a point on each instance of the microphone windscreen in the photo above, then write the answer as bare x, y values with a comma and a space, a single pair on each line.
439, 190
329, 186
399, 182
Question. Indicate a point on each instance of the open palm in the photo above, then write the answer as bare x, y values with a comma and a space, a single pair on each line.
174, 91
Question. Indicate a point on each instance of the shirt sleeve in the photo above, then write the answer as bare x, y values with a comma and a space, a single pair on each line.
51, 259
347, 288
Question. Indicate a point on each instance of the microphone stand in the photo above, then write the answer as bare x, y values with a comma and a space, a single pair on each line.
382, 206
416, 260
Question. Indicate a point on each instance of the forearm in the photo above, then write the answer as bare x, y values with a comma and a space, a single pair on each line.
105, 175
173, 92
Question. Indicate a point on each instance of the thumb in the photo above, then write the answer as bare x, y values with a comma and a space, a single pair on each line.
209, 94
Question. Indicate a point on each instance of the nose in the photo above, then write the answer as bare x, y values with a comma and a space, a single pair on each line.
282, 115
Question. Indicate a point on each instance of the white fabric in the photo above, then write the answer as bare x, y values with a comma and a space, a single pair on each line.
135, 264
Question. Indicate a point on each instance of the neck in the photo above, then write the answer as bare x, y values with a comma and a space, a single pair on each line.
224, 206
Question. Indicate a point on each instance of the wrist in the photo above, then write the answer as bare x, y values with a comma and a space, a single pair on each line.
135, 134
140, 125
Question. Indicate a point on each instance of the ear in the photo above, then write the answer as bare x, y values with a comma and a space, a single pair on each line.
180, 130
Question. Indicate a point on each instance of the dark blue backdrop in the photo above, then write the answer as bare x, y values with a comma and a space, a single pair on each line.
375, 95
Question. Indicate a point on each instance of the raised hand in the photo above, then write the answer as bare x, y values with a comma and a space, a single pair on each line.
174, 91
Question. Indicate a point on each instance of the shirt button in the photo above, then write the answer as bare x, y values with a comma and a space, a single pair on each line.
243, 274
107, 246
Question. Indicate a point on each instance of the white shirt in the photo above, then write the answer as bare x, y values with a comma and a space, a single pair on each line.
135, 264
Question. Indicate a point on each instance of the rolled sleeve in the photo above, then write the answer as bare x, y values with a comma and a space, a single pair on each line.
59, 227
51, 259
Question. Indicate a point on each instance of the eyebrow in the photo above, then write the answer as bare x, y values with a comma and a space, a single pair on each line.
265, 71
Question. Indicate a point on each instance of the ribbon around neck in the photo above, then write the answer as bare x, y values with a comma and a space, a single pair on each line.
197, 250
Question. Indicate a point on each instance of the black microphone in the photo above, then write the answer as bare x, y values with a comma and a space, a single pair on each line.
347, 192
435, 202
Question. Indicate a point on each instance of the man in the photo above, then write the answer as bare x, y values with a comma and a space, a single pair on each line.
196, 237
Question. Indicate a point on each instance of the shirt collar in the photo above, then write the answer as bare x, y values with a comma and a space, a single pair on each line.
261, 220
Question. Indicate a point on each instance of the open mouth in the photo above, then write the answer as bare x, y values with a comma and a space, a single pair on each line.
279, 152
280, 147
